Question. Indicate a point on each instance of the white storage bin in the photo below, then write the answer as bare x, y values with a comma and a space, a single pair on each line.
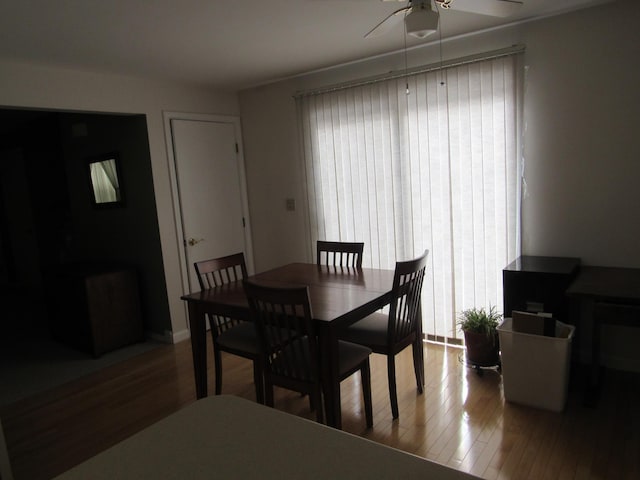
535, 368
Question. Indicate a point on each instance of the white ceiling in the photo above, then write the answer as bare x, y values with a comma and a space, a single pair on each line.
222, 43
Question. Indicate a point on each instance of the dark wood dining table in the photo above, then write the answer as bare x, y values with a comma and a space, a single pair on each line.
339, 297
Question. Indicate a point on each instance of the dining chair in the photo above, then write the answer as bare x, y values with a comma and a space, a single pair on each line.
339, 254
290, 346
228, 334
389, 334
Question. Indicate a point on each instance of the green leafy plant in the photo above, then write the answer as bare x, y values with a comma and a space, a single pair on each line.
480, 320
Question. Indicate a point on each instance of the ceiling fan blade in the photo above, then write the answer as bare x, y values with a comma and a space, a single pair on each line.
494, 8
389, 22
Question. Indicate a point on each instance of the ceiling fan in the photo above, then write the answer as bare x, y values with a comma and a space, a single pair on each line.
421, 16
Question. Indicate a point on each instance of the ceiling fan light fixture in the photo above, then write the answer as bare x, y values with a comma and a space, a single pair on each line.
421, 21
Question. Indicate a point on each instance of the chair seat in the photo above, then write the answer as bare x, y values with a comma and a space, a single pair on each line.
241, 338
371, 331
351, 356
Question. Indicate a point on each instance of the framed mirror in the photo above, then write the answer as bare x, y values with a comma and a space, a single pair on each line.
105, 179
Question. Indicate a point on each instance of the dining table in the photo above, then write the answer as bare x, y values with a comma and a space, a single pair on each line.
340, 296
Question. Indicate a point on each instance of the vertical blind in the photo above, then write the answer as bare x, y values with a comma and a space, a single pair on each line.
429, 161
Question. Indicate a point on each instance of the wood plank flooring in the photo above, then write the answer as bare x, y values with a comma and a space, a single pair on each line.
461, 420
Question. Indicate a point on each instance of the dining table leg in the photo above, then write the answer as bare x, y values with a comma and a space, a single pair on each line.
197, 327
328, 343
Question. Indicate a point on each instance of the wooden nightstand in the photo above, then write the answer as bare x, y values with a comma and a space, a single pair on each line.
532, 283
96, 308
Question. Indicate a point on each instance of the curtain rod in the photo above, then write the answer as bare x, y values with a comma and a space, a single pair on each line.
504, 52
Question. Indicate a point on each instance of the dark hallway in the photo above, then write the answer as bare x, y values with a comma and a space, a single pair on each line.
48, 226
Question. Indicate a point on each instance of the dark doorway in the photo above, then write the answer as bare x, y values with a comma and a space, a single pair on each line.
48, 219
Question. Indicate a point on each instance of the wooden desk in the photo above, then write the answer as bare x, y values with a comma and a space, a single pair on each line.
232, 438
598, 288
339, 297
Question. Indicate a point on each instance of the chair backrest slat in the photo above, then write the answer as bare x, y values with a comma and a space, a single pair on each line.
285, 328
215, 273
219, 271
339, 254
405, 304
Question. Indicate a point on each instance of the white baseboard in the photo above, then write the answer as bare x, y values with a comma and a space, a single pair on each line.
181, 335
170, 337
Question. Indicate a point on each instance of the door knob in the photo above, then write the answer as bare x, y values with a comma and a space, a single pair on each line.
193, 241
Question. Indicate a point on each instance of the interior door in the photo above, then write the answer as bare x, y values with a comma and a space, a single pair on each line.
210, 187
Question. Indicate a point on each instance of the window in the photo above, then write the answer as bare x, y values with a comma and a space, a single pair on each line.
435, 168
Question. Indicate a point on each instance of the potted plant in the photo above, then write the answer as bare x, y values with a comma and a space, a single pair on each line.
479, 327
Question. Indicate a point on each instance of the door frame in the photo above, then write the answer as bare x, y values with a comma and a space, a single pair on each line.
175, 191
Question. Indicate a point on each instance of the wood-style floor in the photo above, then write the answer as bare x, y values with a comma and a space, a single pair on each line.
461, 420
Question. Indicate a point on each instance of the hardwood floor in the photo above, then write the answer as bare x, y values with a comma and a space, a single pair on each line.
461, 420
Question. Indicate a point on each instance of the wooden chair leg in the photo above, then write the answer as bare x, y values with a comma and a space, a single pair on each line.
316, 400
258, 380
217, 358
418, 364
393, 395
268, 394
365, 374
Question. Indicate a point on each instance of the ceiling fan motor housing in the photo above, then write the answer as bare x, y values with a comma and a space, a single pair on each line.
422, 20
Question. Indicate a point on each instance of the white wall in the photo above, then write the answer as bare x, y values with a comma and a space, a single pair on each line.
581, 148
582, 108
582, 113
23, 85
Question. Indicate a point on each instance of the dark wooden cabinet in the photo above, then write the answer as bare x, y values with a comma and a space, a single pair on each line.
532, 283
96, 308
